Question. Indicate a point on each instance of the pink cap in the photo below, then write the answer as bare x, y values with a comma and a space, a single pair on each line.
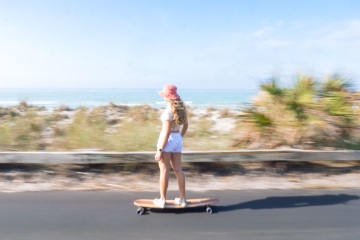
169, 92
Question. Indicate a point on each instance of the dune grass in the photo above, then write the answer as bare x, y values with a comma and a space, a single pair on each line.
106, 128
22, 132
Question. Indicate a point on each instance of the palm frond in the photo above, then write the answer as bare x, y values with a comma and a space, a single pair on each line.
260, 119
336, 83
272, 88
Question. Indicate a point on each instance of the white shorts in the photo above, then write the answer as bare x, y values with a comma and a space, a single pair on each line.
174, 144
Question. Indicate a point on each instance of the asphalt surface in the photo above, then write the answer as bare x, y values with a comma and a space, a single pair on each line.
260, 214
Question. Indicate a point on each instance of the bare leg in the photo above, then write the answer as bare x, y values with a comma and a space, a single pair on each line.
176, 165
164, 165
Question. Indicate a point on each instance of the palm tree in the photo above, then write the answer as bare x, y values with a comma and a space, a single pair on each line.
310, 111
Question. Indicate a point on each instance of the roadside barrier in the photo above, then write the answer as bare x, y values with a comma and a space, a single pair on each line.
97, 157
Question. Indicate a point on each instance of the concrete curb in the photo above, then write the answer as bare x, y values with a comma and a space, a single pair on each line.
90, 157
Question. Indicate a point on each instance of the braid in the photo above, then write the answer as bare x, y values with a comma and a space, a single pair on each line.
178, 109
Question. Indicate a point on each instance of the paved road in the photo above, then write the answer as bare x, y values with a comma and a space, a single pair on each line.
261, 214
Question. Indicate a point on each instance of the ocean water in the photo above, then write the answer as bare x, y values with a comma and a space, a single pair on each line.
52, 98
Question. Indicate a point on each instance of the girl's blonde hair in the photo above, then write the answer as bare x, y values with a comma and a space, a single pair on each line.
178, 109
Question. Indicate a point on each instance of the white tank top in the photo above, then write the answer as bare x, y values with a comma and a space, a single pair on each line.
168, 116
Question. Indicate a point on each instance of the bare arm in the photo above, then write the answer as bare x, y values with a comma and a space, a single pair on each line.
163, 138
184, 129
164, 134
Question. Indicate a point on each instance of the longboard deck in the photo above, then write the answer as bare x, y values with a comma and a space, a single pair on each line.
170, 204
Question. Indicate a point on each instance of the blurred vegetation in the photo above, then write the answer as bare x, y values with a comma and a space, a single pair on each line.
106, 128
309, 114
98, 128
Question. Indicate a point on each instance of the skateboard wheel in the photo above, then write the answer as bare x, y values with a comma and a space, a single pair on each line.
140, 211
209, 210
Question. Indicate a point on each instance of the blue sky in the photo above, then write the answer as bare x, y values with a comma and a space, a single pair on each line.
192, 43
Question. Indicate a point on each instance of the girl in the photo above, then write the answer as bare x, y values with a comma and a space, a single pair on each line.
170, 144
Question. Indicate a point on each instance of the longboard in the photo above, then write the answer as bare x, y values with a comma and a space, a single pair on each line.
146, 204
